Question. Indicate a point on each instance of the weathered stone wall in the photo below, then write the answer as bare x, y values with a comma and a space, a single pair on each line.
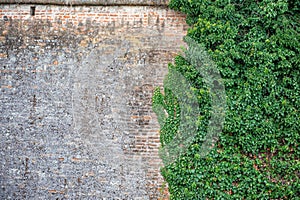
76, 89
91, 2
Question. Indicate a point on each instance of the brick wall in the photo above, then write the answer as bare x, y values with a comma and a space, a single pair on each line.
90, 2
76, 88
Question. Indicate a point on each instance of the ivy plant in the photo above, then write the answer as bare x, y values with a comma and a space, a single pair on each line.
256, 48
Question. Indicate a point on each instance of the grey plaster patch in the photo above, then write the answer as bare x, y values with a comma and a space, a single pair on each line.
100, 109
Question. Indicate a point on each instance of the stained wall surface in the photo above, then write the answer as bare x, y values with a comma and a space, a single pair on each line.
90, 2
75, 97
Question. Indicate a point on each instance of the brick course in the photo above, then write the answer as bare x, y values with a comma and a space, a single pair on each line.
76, 89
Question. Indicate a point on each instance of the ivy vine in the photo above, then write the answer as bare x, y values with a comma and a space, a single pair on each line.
256, 47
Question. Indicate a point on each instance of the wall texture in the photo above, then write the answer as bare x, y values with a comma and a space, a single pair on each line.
90, 2
76, 87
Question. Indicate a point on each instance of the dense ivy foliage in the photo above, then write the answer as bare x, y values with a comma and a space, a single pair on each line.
256, 47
